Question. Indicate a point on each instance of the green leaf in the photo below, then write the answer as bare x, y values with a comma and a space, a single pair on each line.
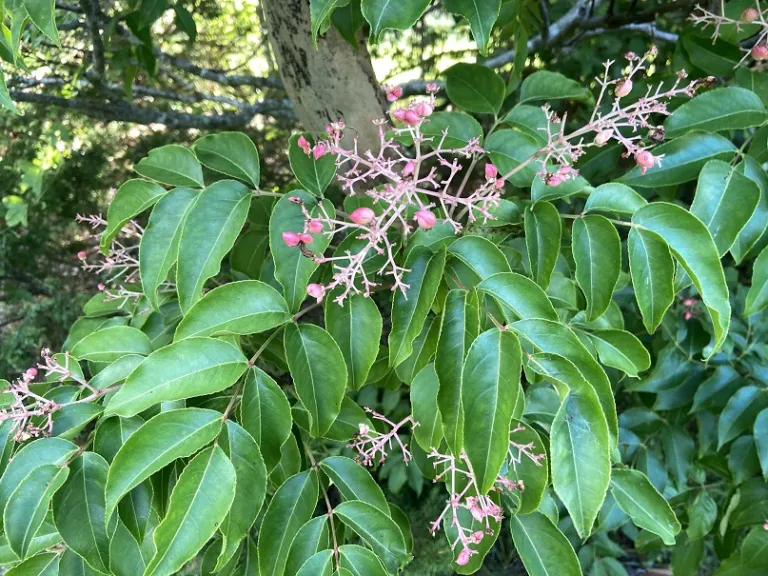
508, 150
392, 14
314, 175
757, 297
491, 396
581, 466
533, 473
683, 158
5, 97
356, 326
678, 452
543, 229
29, 504
110, 344
653, 274
692, 245
749, 561
111, 434
377, 529
250, 489
290, 508
546, 85
159, 245
621, 349
78, 510
543, 191
185, 369
265, 414
348, 20
46, 564
481, 17
163, 439
247, 307
424, 394
725, 201
729, 108
519, 296
474, 88
43, 16
702, 515
292, 269
15, 208
354, 482
454, 129
460, 325
531, 120
311, 538
614, 197
318, 371
597, 254
360, 561
409, 310
754, 236
740, 413
200, 500
185, 22
125, 553
544, 550
249, 253
761, 440
210, 230
648, 509
717, 58
479, 255
172, 165
320, 13
230, 153
130, 200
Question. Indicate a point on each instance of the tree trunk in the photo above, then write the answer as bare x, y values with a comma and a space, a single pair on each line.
330, 83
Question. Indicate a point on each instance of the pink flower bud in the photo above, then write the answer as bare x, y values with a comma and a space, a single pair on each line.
320, 151
491, 172
426, 219
432, 87
603, 137
394, 93
765, 526
688, 315
303, 144
409, 168
362, 216
463, 558
645, 160
31, 373
423, 109
317, 291
82, 255
624, 87
291, 238
760, 52
554, 180
477, 537
305, 238
499, 183
399, 114
411, 118
101, 287
749, 15
315, 226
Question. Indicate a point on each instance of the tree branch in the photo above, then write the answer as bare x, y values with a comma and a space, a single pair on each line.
91, 10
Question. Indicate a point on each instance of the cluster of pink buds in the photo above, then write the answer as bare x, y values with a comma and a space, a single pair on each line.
750, 16
405, 191
320, 149
690, 308
372, 445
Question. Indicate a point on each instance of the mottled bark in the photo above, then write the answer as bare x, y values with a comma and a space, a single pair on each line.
332, 82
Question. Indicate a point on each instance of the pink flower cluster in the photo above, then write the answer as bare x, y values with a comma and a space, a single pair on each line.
750, 16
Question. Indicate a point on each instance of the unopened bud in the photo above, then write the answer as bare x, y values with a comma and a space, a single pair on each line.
603, 137
304, 144
554, 180
399, 114
499, 183
463, 558
423, 109
623, 88
476, 537
31, 373
305, 238
100, 286
409, 168
426, 219
394, 93
760, 52
362, 216
317, 291
491, 172
82, 255
411, 118
645, 159
291, 238
315, 226
749, 15
320, 151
